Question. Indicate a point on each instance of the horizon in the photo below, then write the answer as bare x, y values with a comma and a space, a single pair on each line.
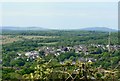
88, 28
61, 15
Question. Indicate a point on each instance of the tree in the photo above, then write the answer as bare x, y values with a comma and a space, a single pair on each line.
42, 71
17, 62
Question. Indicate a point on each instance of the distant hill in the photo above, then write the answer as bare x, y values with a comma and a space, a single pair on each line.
22, 28
104, 29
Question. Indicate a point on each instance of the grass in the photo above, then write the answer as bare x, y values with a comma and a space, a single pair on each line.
49, 43
4, 39
9, 39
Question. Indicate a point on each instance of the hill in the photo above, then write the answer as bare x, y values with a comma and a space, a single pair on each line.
104, 29
22, 28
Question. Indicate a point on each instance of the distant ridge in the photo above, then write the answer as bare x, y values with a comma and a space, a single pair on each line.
104, 29
22, 28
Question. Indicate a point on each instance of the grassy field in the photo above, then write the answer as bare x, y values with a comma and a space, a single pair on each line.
9, 39
49, 43
12, 38
34, 37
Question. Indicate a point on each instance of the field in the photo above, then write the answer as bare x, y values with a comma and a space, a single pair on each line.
12, 38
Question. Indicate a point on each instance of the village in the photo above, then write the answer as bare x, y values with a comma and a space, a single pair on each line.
85, 49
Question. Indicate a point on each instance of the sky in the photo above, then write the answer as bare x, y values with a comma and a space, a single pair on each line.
60, 15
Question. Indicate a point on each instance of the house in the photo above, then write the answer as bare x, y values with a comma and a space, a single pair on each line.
19, 54
32, 54
27, 54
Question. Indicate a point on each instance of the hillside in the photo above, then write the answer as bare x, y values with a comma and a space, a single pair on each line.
22, 28
104, 29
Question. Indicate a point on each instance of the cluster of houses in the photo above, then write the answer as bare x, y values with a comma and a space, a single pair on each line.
30, 55
77, 48
56, 51
61, 49
108, 47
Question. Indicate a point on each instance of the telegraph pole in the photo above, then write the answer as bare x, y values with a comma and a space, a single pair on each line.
109, 41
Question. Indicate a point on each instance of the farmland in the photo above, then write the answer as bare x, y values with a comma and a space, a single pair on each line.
13, 38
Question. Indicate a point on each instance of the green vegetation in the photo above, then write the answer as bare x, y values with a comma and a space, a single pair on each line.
64, 55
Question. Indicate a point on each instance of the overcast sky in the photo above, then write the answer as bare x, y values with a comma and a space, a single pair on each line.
61, 15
